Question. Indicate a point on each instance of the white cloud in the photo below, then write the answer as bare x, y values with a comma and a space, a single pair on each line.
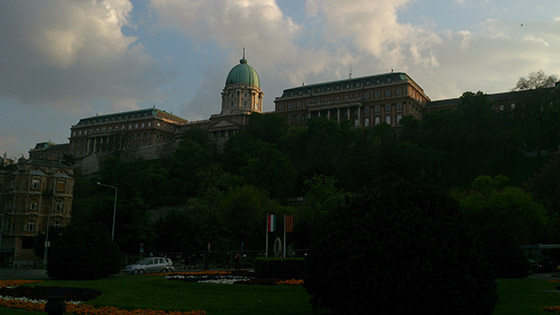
373, 28
535, 39
72, 53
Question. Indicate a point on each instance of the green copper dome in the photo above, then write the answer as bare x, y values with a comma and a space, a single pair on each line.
243, 74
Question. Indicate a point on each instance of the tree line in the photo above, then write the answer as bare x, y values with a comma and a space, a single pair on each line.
199, 193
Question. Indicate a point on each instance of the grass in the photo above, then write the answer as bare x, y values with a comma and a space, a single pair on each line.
155, 292
526, 296
516, 296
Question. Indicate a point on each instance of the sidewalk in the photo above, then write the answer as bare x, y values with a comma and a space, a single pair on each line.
9, 273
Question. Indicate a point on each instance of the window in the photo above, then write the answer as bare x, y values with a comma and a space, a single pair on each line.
33, 205
388, 120
399, 106
366, 122
35, 184
366, 95
377, 121
142, 125
387, 92
59, 206
377, 108
356, 123
366, 110
387, 108
30, 225
399, 117
60, 186
376, 94
399, 91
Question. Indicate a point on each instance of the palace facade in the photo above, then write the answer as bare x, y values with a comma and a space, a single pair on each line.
364, 101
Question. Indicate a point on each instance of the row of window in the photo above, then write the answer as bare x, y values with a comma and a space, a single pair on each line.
32, 224
115, 117
377, 120
338, 87
34, 205
130, 126
376, 108
36, 185
335, 100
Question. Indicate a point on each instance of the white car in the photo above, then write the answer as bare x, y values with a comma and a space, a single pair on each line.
149, 265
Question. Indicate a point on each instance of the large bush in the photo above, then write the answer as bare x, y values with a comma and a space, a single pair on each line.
399, 248
279, 268
83, 251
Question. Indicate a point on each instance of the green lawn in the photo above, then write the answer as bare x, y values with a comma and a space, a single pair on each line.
130, 292
516, 296
526, 296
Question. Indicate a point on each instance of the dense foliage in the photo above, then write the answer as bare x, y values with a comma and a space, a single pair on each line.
279, 268
398, 248
83, 251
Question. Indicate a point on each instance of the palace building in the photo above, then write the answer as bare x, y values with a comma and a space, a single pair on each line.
121, 131
241, 97
364, 101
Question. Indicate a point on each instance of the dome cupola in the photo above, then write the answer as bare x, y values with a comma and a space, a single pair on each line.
243, 74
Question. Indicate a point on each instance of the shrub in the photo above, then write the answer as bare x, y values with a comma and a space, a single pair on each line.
83, 252
279, 268
399, 248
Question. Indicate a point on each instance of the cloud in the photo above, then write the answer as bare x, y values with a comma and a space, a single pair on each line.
373, 28
71, 54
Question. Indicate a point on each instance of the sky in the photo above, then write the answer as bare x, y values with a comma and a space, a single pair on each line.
63, 60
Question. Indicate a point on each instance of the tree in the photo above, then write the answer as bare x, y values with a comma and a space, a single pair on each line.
243, 212
398, 248
83, 251
267, 127
502, 219
537, 112
536, 80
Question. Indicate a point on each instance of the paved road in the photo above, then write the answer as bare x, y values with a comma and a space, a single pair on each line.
546, 276
7, 273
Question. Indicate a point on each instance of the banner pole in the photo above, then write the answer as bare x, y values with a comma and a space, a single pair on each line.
284, 236
266, 247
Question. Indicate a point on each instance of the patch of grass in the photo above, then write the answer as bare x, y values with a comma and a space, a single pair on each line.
526, 296
156, 292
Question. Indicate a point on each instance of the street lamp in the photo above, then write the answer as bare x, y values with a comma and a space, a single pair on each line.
114, 208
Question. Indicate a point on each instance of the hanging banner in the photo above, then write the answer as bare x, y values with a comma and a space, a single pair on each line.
271, 223
289, 222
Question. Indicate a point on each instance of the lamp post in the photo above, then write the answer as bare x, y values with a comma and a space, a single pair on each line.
114, 208
45, 254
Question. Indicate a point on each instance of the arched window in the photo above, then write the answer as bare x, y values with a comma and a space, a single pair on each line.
366, 122
377, 121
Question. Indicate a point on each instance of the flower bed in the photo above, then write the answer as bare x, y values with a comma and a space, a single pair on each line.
45, 293
216, 276
228, 277
35, 299
15, 283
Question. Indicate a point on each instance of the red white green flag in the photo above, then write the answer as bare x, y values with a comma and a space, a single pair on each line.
271, 223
